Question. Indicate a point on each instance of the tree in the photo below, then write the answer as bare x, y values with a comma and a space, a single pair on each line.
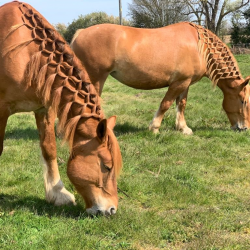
195, 11
61, 28
214, 11
235, 34
87, 21
156, 13
247, 27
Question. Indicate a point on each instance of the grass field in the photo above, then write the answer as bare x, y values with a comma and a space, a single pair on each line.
176, 191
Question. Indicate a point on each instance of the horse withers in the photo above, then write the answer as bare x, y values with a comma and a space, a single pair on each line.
40, 73
174, 56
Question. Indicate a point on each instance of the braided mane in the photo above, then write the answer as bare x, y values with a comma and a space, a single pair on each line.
221, 63
56, 74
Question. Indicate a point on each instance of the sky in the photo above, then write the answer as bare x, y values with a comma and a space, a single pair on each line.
65, 11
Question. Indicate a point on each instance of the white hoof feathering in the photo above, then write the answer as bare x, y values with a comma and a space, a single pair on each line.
154, 129
58, 194
187, 131
55, 191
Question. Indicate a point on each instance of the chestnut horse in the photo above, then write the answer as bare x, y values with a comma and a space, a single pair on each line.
40, 73
175, 56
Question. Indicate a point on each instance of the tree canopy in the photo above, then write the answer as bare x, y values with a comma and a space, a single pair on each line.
84, 21
241, 27
156, 13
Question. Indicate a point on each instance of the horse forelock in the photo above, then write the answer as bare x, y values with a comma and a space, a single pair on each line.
55, 71
220, 62
115, 152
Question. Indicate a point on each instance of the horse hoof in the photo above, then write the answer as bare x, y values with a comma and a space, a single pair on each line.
60, 197
154, 130
187, 131
65, 198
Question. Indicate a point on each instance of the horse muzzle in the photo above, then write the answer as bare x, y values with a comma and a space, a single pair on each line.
95, 210
239, 128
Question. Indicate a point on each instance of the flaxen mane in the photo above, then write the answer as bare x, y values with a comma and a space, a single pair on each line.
221, 63
53, 70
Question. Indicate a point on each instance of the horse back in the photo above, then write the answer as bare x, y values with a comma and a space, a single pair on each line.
137, 57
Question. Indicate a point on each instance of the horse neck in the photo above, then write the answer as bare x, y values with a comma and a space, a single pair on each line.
77, 107
58, 76
221, 65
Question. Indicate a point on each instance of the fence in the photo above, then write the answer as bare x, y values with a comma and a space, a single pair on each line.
242, 48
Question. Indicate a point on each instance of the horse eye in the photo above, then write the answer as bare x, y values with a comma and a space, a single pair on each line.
107, 167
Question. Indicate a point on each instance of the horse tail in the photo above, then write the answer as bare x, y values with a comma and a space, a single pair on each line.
75, 36
220, 62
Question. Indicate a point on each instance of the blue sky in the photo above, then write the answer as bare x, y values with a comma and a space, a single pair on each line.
65, 11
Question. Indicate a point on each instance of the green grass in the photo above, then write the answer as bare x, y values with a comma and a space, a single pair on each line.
177, 191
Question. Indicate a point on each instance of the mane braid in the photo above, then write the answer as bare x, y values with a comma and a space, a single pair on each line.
56, 73
220, 61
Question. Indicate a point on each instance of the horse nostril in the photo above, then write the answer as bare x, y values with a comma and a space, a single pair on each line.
243, 129
112, 210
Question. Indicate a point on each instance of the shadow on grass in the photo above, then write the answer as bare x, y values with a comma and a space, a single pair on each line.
127, 128
26, 134
40, 207
211, 129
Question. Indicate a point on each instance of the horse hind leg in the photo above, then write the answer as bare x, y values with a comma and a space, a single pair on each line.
54, 189
175, 90
180, 123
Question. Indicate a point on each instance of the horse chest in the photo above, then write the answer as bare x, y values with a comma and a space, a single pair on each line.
24, 106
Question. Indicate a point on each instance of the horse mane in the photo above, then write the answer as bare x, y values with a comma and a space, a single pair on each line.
221, 64
56, 74
75, 36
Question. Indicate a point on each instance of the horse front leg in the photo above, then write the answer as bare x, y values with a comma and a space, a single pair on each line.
174, 90
180, 123
4, 115
54, 189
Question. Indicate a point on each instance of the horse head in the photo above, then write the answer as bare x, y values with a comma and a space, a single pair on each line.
236, 103
95, 180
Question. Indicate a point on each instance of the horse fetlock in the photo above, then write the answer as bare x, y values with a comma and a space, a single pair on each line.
59, 195
153, 128
185, 130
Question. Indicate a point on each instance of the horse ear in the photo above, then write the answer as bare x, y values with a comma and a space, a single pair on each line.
101, 130
246, 81
111, 122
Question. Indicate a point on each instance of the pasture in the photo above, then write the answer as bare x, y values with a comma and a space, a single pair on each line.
175, 191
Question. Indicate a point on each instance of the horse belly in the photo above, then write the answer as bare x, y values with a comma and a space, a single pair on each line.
151, 69
141, 79
148, 70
